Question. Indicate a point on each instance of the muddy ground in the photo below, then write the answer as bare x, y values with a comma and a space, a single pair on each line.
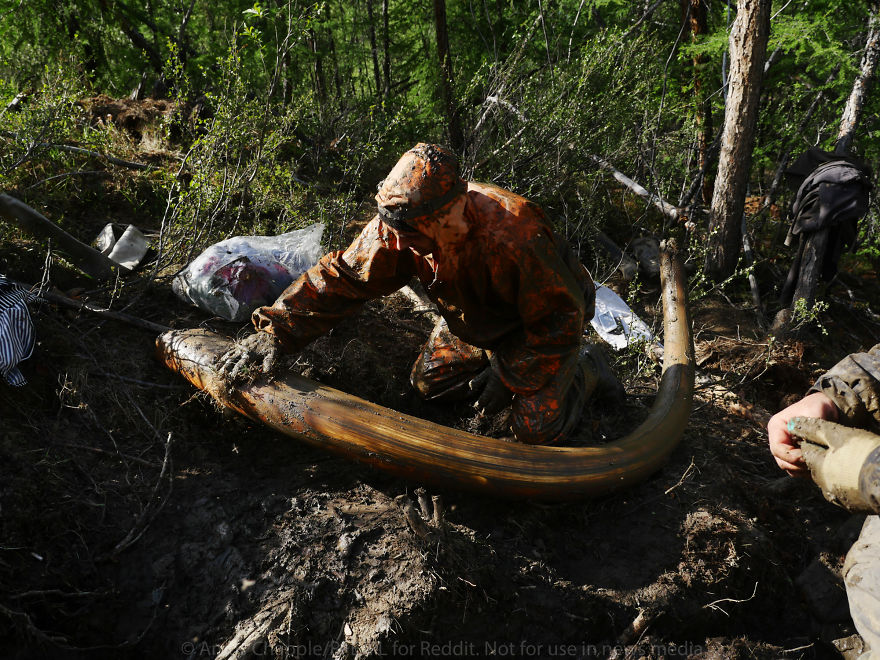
138, 520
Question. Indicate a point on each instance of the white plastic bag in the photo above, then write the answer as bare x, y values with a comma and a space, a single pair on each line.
127, 251
615, 322
233, 277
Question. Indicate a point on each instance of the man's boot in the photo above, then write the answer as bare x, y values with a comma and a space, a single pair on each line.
608, 387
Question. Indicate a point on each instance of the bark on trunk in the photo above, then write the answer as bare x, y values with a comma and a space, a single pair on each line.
748, 45
386, 49
695, 11
318, 69
815, 246
853, 111
455, 136
374, 49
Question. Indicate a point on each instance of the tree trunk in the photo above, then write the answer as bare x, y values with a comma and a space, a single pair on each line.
695, 11
748, 45
455, 135
374, 50
318, 68
386, 49
857, 97
813, 257
336, 79
135, 36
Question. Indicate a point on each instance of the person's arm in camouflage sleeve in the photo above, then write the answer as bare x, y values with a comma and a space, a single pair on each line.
337, 287
853, 384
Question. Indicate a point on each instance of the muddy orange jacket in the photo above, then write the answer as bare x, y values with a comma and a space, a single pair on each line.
517, 290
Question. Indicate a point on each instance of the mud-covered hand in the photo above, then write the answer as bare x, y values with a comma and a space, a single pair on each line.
844, 462
492, 395
258, 351
783, 445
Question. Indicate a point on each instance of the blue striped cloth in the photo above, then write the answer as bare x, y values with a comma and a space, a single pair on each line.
16, 331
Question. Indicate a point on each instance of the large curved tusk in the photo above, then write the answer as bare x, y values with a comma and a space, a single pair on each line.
422, 451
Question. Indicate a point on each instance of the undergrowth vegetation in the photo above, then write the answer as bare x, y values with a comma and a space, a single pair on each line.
277, 116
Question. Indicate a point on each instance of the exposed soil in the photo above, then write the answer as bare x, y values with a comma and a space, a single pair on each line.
249, 541
140, 521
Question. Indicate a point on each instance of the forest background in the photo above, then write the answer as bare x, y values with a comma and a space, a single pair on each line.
286, 113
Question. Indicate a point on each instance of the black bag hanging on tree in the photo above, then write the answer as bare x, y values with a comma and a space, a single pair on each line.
831, 196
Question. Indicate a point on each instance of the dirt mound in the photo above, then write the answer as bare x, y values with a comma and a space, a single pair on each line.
134, 117
148, 122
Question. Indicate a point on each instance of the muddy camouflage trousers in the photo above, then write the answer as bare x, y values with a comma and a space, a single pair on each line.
447, 364
861, 575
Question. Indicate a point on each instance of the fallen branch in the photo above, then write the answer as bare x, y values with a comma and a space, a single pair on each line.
86, 258
80, 305
76, 150
661, 204
14, 104
97, 154
503, 146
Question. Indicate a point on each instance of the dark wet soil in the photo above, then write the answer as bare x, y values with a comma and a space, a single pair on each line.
245, 543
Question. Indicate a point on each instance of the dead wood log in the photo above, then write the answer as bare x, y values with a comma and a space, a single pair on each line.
658, 202
113, 160
81, 305
87, 259
625, 264
423, 451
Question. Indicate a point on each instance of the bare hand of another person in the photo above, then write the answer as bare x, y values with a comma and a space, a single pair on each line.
782, 445
256, 352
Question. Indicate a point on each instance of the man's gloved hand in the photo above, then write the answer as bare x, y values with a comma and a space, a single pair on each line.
492, 395
257, 351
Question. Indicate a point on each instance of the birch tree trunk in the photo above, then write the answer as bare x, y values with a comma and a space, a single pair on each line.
748, 45
856, 101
